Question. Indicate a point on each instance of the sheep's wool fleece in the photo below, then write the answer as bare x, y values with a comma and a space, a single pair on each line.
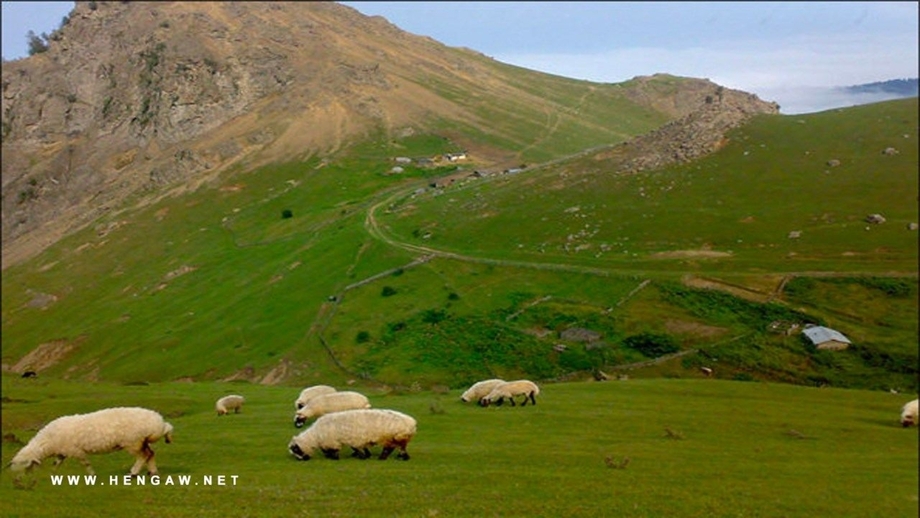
480, 389
357, 428
335, 402
312, 392
97, 432
230, 402
910, 411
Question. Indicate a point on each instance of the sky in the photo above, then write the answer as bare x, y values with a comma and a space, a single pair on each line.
793, 53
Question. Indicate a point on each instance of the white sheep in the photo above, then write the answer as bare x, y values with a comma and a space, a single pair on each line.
479, 390
510, 390
328, 403
358, 429
130, 429
227, 403
909, 414
311, 392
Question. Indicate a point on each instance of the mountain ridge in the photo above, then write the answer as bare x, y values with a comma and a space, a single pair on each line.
198, 88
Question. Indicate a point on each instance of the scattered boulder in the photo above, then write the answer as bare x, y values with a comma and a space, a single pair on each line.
795, 234
833, 162
876, 219
912, 226
889, 151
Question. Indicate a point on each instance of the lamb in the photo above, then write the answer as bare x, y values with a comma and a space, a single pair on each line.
358, 429
130, 429
227, 403
909, 414
509, 390
311, 392
479, 390
328, 403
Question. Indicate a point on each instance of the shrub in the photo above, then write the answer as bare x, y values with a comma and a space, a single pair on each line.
652, 344
37, 44
287, 214
434, 316
388, 291
363, 337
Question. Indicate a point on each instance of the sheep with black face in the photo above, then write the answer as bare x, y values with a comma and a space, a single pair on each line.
358, 429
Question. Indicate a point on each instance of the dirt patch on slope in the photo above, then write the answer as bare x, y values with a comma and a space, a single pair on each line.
46, 355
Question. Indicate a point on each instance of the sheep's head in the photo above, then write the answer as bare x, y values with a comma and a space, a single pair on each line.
167, 433
297, 452
23, 464
907, 421
299, 420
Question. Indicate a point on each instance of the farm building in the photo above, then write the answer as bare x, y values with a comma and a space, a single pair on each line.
826, 338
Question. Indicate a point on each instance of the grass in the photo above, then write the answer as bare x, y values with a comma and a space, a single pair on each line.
695, 448
216, 283
770, 180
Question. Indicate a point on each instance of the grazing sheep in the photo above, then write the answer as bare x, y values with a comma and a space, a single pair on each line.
358, 429
227, 403
103, 431
509, 390
909, 414
479, 390
329, 403
311, 392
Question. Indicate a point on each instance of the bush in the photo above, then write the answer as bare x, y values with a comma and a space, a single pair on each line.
37, 44
652, 344
388, 291
287, 214
363, 337
434, 316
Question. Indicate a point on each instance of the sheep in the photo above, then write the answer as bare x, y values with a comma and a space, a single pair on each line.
509, 390
479, 390
358, 429
328, 403
311, 392
131, 429
909, 414
227, 403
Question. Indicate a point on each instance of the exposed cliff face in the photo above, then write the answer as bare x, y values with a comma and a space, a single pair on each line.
144, 98
699, 132
135, 96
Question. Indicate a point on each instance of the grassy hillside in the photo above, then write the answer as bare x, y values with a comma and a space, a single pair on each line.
339, 269
736, 208
632, 448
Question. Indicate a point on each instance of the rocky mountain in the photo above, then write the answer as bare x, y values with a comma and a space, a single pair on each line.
136, 100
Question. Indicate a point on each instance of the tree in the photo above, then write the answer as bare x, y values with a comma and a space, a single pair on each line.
37, 44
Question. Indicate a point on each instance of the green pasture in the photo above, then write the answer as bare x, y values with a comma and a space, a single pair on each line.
626, 448
740, 204
278, 273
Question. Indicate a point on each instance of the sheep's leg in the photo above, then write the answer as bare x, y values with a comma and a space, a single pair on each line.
512, 401
361, 453
387, 450
403, 454
83, 460
330, 453
533, 398
144, 457
58, 459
